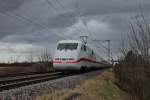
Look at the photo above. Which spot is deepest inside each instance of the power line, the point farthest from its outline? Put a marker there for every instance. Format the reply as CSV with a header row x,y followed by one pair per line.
x,y
15,15
107,48
51,5
23,18
85,24
56,9
87,30
63,15
61,7
39,29
60,4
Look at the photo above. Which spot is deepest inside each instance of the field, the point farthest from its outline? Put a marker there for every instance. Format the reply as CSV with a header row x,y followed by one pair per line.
x,y
101,87
23,68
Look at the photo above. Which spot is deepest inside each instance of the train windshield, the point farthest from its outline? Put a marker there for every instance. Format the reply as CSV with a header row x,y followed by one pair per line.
x,y
67,46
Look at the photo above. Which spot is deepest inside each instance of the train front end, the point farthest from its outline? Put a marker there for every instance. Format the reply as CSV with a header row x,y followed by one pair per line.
x,y
66,56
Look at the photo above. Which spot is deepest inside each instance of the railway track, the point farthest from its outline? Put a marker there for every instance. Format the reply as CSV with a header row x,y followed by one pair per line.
x,y
15,82
19,81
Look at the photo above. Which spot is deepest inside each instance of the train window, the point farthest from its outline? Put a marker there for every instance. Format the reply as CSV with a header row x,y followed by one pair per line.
x,y
84,48
56,58
67,46
92,52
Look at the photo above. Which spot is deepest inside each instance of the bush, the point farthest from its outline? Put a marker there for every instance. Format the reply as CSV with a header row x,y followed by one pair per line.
x,y
133,72
133,75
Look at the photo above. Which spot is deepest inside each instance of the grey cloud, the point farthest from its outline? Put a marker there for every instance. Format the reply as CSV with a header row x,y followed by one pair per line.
x,y
46,36
11,25
63,20
9,5
112,6
53,25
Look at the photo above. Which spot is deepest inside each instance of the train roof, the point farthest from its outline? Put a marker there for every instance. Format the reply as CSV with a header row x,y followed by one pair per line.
x,y
70,41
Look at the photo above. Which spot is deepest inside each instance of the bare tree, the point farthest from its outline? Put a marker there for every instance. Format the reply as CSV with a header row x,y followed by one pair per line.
x,y
141,37
133,72
11,60
45,56
30,57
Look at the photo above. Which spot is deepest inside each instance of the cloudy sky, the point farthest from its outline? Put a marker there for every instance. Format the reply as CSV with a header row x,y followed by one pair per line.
x,y
35,25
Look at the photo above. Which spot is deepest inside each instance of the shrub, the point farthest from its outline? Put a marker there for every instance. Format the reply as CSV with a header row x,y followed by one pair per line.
x,y
133,72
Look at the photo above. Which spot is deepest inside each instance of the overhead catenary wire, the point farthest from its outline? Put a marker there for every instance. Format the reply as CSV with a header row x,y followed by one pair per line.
x,y
88,32
14,14
85,24
61,7
37,24
51,5
60,4
20,17
23,19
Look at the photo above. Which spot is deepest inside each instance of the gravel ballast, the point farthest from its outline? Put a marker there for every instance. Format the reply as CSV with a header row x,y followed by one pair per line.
x,y
30,92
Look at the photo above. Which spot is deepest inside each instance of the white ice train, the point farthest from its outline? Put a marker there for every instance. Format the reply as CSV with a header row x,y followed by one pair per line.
x,y
75,55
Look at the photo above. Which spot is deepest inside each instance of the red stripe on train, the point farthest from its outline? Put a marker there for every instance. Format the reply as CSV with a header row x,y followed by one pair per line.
x,y
67,62
81,59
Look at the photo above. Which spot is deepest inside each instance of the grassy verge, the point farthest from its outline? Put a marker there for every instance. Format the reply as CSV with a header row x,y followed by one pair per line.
x,y
100,87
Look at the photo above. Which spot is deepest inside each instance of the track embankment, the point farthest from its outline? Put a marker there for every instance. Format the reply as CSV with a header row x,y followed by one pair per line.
x,y
19,81
30,92
100,87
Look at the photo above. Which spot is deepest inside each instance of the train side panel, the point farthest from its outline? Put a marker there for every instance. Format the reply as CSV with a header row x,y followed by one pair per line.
x,y
89,59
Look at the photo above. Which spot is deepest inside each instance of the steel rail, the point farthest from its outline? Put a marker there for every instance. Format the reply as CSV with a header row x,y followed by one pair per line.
x,y
18,82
